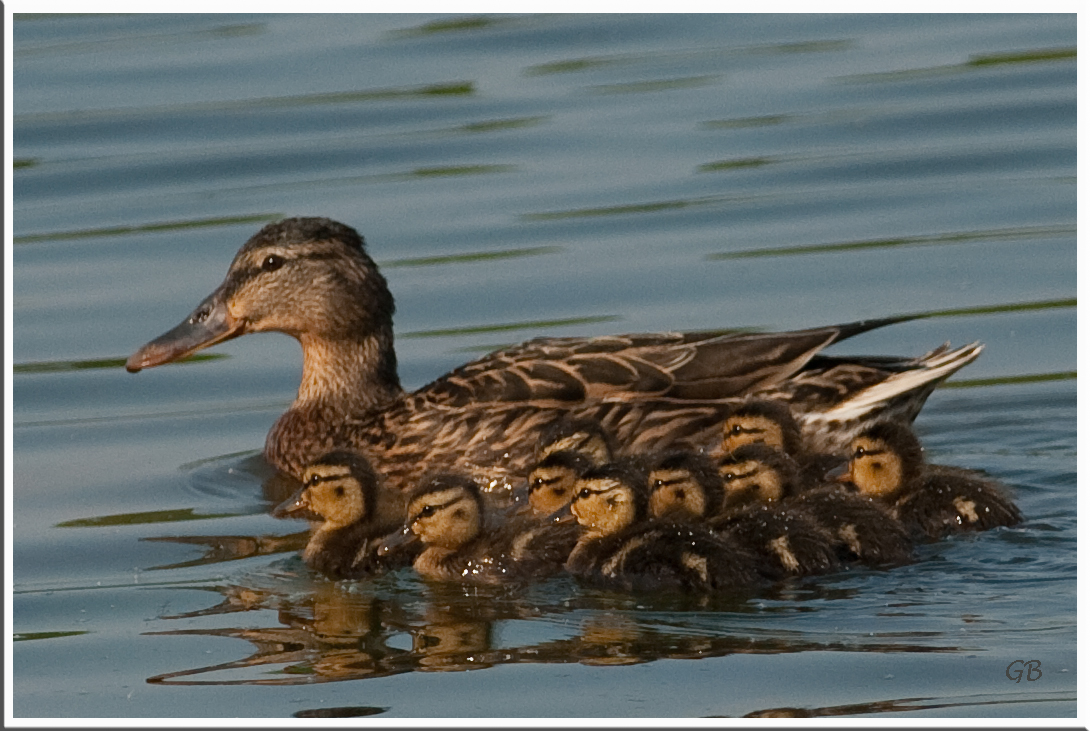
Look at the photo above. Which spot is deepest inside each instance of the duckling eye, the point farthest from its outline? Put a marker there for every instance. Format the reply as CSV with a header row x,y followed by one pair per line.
x,y
426,511
657,484
736,429
314,480
728,476
272,262
584,493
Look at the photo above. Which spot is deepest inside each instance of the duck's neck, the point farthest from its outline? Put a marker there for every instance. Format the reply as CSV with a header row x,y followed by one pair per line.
x,y
349,377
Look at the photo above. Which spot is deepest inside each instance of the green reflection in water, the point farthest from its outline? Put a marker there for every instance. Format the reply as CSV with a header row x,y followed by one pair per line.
x,y
1009,380
58,366
94,233
1002,234
479,256
643,87
510,326
572,66
24,636
742,162
154,516
974,62
23,162
457,170
623,210
767,120
497,125
455,25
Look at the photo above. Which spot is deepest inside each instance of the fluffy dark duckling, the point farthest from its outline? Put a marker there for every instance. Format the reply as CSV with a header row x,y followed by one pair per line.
x,y
860,529
461,542
761,421
887,463
683,486
350,512
620,549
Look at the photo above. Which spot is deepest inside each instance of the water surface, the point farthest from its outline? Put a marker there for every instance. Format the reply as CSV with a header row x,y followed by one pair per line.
x,y
518,176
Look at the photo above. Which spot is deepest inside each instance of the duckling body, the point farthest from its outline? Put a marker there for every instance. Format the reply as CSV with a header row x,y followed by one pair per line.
x,y
620,549
447,514
351,514
853,526
312,279
931,501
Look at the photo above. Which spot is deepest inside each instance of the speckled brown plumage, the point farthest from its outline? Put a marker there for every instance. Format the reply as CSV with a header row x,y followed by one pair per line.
x,y
313,279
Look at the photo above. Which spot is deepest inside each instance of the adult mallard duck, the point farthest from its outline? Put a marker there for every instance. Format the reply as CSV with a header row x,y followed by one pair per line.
x,y
312,278
887,463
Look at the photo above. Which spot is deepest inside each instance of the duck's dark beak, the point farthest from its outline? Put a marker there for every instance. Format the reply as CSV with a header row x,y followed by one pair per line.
x,y
209,324
562,515
296,506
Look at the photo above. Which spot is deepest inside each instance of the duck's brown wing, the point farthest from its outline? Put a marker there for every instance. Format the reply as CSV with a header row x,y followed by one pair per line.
x,y
706,365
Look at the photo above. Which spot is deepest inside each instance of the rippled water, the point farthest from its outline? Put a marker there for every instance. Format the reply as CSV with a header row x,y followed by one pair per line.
x,y
516,176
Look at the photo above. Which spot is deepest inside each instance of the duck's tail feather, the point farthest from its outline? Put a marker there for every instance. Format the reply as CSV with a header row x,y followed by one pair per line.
x,y
902,395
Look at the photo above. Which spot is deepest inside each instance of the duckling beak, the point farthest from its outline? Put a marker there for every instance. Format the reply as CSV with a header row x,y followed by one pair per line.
x,y
562,515
394,541
209,324
296,506
841,473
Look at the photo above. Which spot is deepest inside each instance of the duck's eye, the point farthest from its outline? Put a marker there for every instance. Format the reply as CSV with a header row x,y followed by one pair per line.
x,y
736,429
537,482
314,480
272,262
657,484
584,493
859,452
728,476
427,510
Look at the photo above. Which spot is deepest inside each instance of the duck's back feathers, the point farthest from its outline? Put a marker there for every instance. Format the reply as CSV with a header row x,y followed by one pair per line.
x,y
945,500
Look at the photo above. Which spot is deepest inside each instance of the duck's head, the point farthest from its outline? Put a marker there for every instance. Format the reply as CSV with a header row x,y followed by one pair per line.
x,y
762,422
445,510
308,277
884,458
552,480
756,473
338,489
684,486
609,498
583,436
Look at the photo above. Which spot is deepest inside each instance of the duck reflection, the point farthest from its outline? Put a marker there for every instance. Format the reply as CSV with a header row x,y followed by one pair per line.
x,y
351,631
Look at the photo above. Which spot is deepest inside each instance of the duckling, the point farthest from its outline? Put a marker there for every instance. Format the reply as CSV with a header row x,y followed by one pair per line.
x,y
887,463
620,549
352,513
684,487
586,437
552,481
313,279
447,515
762,421
858,528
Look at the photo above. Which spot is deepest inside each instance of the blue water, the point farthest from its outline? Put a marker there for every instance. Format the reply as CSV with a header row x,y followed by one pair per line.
x,y
518,176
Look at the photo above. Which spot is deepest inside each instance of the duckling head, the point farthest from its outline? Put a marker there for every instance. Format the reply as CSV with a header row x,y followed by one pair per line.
x,y
762,422
552,481
338,489
609,499
308,277
684,486
884,458
583,436
445,510
756,472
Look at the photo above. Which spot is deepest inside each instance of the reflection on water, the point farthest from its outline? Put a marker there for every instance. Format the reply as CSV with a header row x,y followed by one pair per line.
x,y
342,632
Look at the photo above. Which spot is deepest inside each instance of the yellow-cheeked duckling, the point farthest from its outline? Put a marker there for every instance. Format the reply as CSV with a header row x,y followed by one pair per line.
x,y
351,513
463,543
860,529
763,421
552,481
686,486
621,549
887,463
